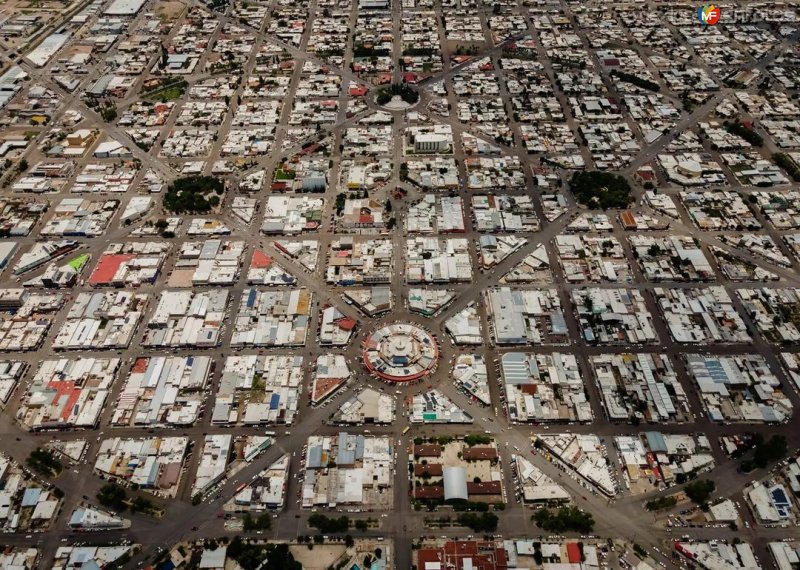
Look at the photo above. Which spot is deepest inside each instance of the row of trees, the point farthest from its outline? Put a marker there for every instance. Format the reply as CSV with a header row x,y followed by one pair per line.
x,y
564,519
746,133
479,522
661,503
790,166
329,524
264,556
636,80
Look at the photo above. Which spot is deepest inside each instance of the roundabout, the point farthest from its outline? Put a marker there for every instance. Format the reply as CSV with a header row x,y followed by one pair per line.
x,y
400,352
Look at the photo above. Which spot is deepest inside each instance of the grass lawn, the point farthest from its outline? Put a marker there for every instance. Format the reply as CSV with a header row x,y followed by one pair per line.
x,y
282,174
169,93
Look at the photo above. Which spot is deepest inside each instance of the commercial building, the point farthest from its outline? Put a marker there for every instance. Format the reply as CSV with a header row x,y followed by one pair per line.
x,y
372,301
613,316
266,491
335,329
272,318
330,374
655,459
150,463
739,388
68,393
26,318
584,454
348,470
129,264
368,406
434,407
162,390
523,316
465,326
258,389
11,372
352,261
88,518
25,503
213,462
536,488
544,388
101,320
701,315
640,387
470,375
208,262
187,319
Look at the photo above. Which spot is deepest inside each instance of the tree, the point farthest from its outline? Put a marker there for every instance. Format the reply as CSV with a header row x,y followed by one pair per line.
x,y
661,503
565,519
477,439
108,113
773,450
112,496
790,166
44,462
483,522
699,491
348,541
746,133
329,525
406,93
602,190
190,194
265,557
247,522
141,504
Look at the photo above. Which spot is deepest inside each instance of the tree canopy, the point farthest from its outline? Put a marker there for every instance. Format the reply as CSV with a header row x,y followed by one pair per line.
x,y
602,190
565,519
191,194
699,491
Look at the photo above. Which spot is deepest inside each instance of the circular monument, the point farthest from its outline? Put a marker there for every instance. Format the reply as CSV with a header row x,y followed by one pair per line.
x,y
400,353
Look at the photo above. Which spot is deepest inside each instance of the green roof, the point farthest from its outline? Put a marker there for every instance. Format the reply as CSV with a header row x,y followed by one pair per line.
x,y
78,263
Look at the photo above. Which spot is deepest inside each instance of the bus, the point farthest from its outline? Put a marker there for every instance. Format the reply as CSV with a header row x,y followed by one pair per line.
x,y
405,431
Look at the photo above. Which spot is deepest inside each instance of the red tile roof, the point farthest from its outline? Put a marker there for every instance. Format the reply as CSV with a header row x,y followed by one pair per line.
x,y
428,450
107,266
